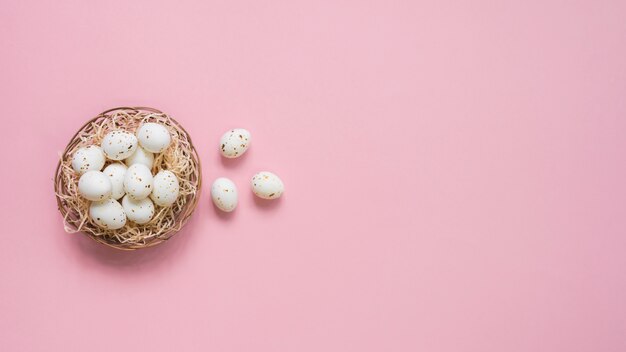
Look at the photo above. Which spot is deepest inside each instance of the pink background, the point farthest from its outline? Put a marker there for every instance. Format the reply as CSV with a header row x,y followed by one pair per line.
x,y
455,173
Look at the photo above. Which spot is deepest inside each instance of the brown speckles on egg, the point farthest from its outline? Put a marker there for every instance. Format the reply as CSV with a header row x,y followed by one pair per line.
x,y
267,185
231,145
108,214
88,159
118,145
138,211
224,194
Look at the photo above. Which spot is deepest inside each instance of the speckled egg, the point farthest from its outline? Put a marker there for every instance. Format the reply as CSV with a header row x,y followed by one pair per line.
x,y
118,145
138,181
116,173
267,185
224,194
234,143
154,137
138,211
88,159
108,214
94,186
166,188
140,156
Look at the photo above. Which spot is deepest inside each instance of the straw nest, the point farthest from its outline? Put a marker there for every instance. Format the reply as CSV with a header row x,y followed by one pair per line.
x,y
180,158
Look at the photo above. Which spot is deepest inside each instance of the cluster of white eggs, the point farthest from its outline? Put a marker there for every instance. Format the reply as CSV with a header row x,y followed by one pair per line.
x,y
127,176
265,184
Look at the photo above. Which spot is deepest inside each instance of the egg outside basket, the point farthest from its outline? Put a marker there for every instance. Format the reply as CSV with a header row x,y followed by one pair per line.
x,y
180,158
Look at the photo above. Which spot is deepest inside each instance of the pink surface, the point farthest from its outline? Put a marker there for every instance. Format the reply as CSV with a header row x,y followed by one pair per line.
x,y
455,173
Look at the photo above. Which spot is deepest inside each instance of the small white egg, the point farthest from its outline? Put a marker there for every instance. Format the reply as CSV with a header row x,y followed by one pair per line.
x,y
140,156
138,181
235,142
224,194
116,173
138,211
154,137
108,214
267,185
88,159
166,188
94,186
118,145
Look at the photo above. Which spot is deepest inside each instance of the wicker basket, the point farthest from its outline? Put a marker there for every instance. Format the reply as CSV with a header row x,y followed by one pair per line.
x,y
171,219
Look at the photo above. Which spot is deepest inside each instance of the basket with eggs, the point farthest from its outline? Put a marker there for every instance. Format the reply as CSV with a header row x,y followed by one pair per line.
x,y
129,178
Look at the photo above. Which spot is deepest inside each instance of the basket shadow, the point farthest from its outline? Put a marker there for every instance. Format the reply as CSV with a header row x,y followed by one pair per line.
x,y
147,258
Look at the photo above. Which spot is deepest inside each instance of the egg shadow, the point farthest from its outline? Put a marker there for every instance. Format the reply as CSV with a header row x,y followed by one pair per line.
x,y
222,215
231,163
267,204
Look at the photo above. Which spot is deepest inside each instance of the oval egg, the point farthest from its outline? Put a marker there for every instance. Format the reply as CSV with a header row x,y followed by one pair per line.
x,y
234,142
166,188
94,186
138,211
108,214
118,145
88,159
267,185
224,194
154,137
140,156
116,172
138,181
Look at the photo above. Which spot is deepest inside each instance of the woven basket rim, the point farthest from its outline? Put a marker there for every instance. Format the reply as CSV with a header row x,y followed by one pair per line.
x,y
189,208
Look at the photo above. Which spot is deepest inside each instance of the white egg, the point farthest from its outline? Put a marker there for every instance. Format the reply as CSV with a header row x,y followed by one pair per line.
x,y
138,181
108,214
235,142
88,159
118,145
94,185
224,194
138,211
154,137
140,156
267,185
116,173
166,188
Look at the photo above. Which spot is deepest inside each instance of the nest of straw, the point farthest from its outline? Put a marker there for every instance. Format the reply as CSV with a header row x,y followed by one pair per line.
x,y
180,158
